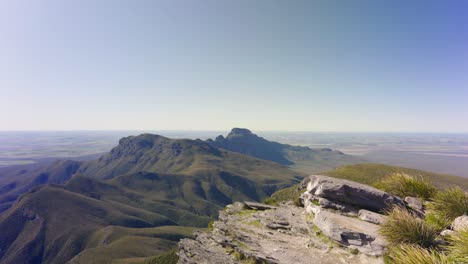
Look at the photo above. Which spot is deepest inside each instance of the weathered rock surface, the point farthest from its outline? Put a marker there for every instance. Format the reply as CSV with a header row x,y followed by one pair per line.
x,y
460,223
284,234
414,203
259,206
351,193
371,217
351,232
339,218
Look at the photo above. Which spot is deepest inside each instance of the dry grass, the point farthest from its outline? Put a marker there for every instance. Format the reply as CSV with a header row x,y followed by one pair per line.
x,y
401,184
404,227
450,203
458,248
413,254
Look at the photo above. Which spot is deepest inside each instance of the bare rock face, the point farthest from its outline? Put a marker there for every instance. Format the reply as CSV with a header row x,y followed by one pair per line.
x,y
284,234
338,224
460,223
351,193
371,217
414,203
258,206
351,232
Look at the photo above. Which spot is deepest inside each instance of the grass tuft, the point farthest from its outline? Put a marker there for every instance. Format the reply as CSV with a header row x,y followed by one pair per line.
x,y
439,220
458,248
450,203
404,227
401,184
413,254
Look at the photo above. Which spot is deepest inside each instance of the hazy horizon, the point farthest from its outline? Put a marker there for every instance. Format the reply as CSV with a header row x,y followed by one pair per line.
x,y
266,65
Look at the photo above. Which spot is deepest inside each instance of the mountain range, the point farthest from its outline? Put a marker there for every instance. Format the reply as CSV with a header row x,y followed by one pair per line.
x,y
148,192
56,213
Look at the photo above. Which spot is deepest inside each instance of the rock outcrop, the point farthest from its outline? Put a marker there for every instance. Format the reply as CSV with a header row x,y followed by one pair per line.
x,y
350,193
284,234
339,224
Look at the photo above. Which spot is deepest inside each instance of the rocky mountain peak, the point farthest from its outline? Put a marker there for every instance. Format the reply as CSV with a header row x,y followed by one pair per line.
x,y
240,132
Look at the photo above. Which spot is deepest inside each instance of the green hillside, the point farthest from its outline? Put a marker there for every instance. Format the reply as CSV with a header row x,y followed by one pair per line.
x,y
115,208
370,173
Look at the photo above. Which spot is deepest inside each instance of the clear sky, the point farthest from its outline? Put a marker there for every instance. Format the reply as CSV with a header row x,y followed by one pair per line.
x,y
212,65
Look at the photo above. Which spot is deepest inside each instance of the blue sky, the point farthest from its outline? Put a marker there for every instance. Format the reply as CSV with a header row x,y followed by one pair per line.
x,y
212,65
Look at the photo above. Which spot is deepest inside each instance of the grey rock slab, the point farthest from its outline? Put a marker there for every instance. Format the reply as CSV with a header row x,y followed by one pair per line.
x,y
249,235
259,206
414,203
351,232
352,193
371,217
342,207
235,207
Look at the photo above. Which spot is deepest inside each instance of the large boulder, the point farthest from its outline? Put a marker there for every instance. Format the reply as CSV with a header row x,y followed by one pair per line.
x,y
352,193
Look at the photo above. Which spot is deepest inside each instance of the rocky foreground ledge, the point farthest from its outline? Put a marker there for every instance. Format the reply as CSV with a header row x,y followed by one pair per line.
x,y
339,223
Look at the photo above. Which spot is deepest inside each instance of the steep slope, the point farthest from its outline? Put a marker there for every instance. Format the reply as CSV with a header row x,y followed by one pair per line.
x,y
146,182
51,224
20,179
157,154
304,159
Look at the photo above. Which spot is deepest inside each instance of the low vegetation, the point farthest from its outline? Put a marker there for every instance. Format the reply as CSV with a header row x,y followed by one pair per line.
x,y
169,257
369,173
404,227
449,204
402,185
413,254
458,248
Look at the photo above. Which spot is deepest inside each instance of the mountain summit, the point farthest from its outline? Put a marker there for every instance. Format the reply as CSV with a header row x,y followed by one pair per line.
x,y
306,159
244,141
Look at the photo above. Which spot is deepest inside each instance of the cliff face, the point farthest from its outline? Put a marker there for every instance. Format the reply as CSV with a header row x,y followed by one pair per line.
x,y
339,223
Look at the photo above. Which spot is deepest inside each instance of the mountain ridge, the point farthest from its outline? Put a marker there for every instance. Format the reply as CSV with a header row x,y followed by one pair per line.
x,y
300,158
146,181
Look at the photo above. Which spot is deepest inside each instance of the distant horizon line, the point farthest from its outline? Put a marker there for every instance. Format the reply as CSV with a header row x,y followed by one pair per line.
x,y
228,130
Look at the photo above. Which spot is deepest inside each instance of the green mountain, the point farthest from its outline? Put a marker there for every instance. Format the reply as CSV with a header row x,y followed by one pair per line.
x,y
305,159
114,207
20,179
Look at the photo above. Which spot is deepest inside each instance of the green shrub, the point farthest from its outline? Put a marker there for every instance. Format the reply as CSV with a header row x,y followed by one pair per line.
x,y
450,203
289,194
270,201
413,254
404,227
458,248
210,226
169,257
402,185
